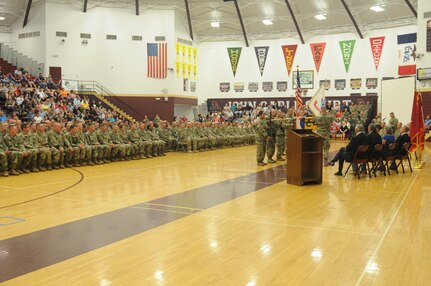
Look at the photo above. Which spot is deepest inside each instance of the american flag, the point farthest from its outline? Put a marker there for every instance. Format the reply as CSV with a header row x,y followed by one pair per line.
x,y
298,92
157,60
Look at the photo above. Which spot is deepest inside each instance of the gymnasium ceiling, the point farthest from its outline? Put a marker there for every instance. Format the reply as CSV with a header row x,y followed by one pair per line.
x,y
203,12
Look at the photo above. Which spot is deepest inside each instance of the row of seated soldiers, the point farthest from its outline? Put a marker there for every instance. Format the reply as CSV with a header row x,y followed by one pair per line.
x,y
51,145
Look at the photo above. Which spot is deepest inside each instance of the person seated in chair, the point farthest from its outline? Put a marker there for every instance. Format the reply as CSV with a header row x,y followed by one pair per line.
x,y
374,138
347,153
401,140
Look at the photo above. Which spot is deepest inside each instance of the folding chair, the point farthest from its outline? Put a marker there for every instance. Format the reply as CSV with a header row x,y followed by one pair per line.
x,y
390,158
376,159
361,157
404,155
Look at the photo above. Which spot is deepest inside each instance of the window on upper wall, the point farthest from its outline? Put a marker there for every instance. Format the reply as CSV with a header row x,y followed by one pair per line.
x,y
61,34
136,38
85,36
111,37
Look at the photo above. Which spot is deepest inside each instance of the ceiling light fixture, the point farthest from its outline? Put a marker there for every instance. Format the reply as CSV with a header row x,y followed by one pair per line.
x,y
377,8
215,24
267,22
2,18
320,17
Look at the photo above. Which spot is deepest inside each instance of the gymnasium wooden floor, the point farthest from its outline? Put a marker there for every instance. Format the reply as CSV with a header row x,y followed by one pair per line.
x,y
213,218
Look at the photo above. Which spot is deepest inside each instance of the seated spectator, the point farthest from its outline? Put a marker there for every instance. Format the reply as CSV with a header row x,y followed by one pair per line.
x,y
387,140
374,138
397,132
3,117
345,129
347,153
427,122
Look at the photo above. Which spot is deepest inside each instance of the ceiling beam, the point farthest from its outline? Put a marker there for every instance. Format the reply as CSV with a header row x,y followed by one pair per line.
x,y
27,13
137,7
412,8
294,21
241,22
351,18
189,18
85,6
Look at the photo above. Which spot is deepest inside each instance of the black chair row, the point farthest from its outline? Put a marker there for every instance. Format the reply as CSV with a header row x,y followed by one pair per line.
x,y
365,155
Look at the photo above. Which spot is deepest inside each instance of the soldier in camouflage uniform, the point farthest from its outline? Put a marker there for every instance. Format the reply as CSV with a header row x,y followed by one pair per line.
x,y
146,140
279,135
323,123
121,150
4,152
56,144
44,161
261,139
270,145
160,144
78,140
138,145
16,149
105,141
38,156
393,121
29,162
97,150
71,152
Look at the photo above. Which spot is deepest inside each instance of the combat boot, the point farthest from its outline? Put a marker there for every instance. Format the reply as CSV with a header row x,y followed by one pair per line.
x,y
5,174
14,173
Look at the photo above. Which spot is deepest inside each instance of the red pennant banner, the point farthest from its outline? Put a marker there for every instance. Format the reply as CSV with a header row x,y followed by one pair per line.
x,y
289,52
376,49
317,50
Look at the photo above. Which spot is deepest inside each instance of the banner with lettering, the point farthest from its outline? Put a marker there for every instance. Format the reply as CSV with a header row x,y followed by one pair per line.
x,y
184,51
195,53
376,49
407,54
234,55
317,50
178,49
178,68
347,52
195,72
261,55
289,52
184,70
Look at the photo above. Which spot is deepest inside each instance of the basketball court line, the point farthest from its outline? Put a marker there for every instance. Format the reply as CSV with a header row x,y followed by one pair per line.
x,y
388,228
63,242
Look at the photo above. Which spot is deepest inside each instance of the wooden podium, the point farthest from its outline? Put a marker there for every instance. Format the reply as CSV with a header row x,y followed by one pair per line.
x,y
304,157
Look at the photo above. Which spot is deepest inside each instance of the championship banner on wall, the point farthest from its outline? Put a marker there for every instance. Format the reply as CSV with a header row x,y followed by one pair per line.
x,y
340,84
189,71
178,69
261,55
195,71
234,55
347,52
177,51
238,86
267,86
371,83
317,50
184,51
326,83
407,54
184,65
195,55
355,83
282,86
225,86
376,49
253,86
189,53
289,52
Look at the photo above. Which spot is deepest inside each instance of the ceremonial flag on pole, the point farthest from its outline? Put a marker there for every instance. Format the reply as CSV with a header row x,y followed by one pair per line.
x,y
417,129
317,101
157,57
298,92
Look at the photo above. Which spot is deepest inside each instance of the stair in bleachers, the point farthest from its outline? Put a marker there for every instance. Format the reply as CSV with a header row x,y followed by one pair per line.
x,y
6,67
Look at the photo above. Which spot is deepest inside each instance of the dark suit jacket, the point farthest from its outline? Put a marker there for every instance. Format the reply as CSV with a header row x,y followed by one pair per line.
x,y
405,138
355,142
374,139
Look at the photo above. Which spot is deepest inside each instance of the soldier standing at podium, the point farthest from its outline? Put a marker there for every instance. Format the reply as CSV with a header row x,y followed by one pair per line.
x,y
323,123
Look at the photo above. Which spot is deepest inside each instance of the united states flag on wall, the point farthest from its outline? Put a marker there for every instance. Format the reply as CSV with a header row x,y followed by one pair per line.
x,y
157,60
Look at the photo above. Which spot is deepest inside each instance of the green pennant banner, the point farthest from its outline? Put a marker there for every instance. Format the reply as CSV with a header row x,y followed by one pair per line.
x,y
347,52
234,54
